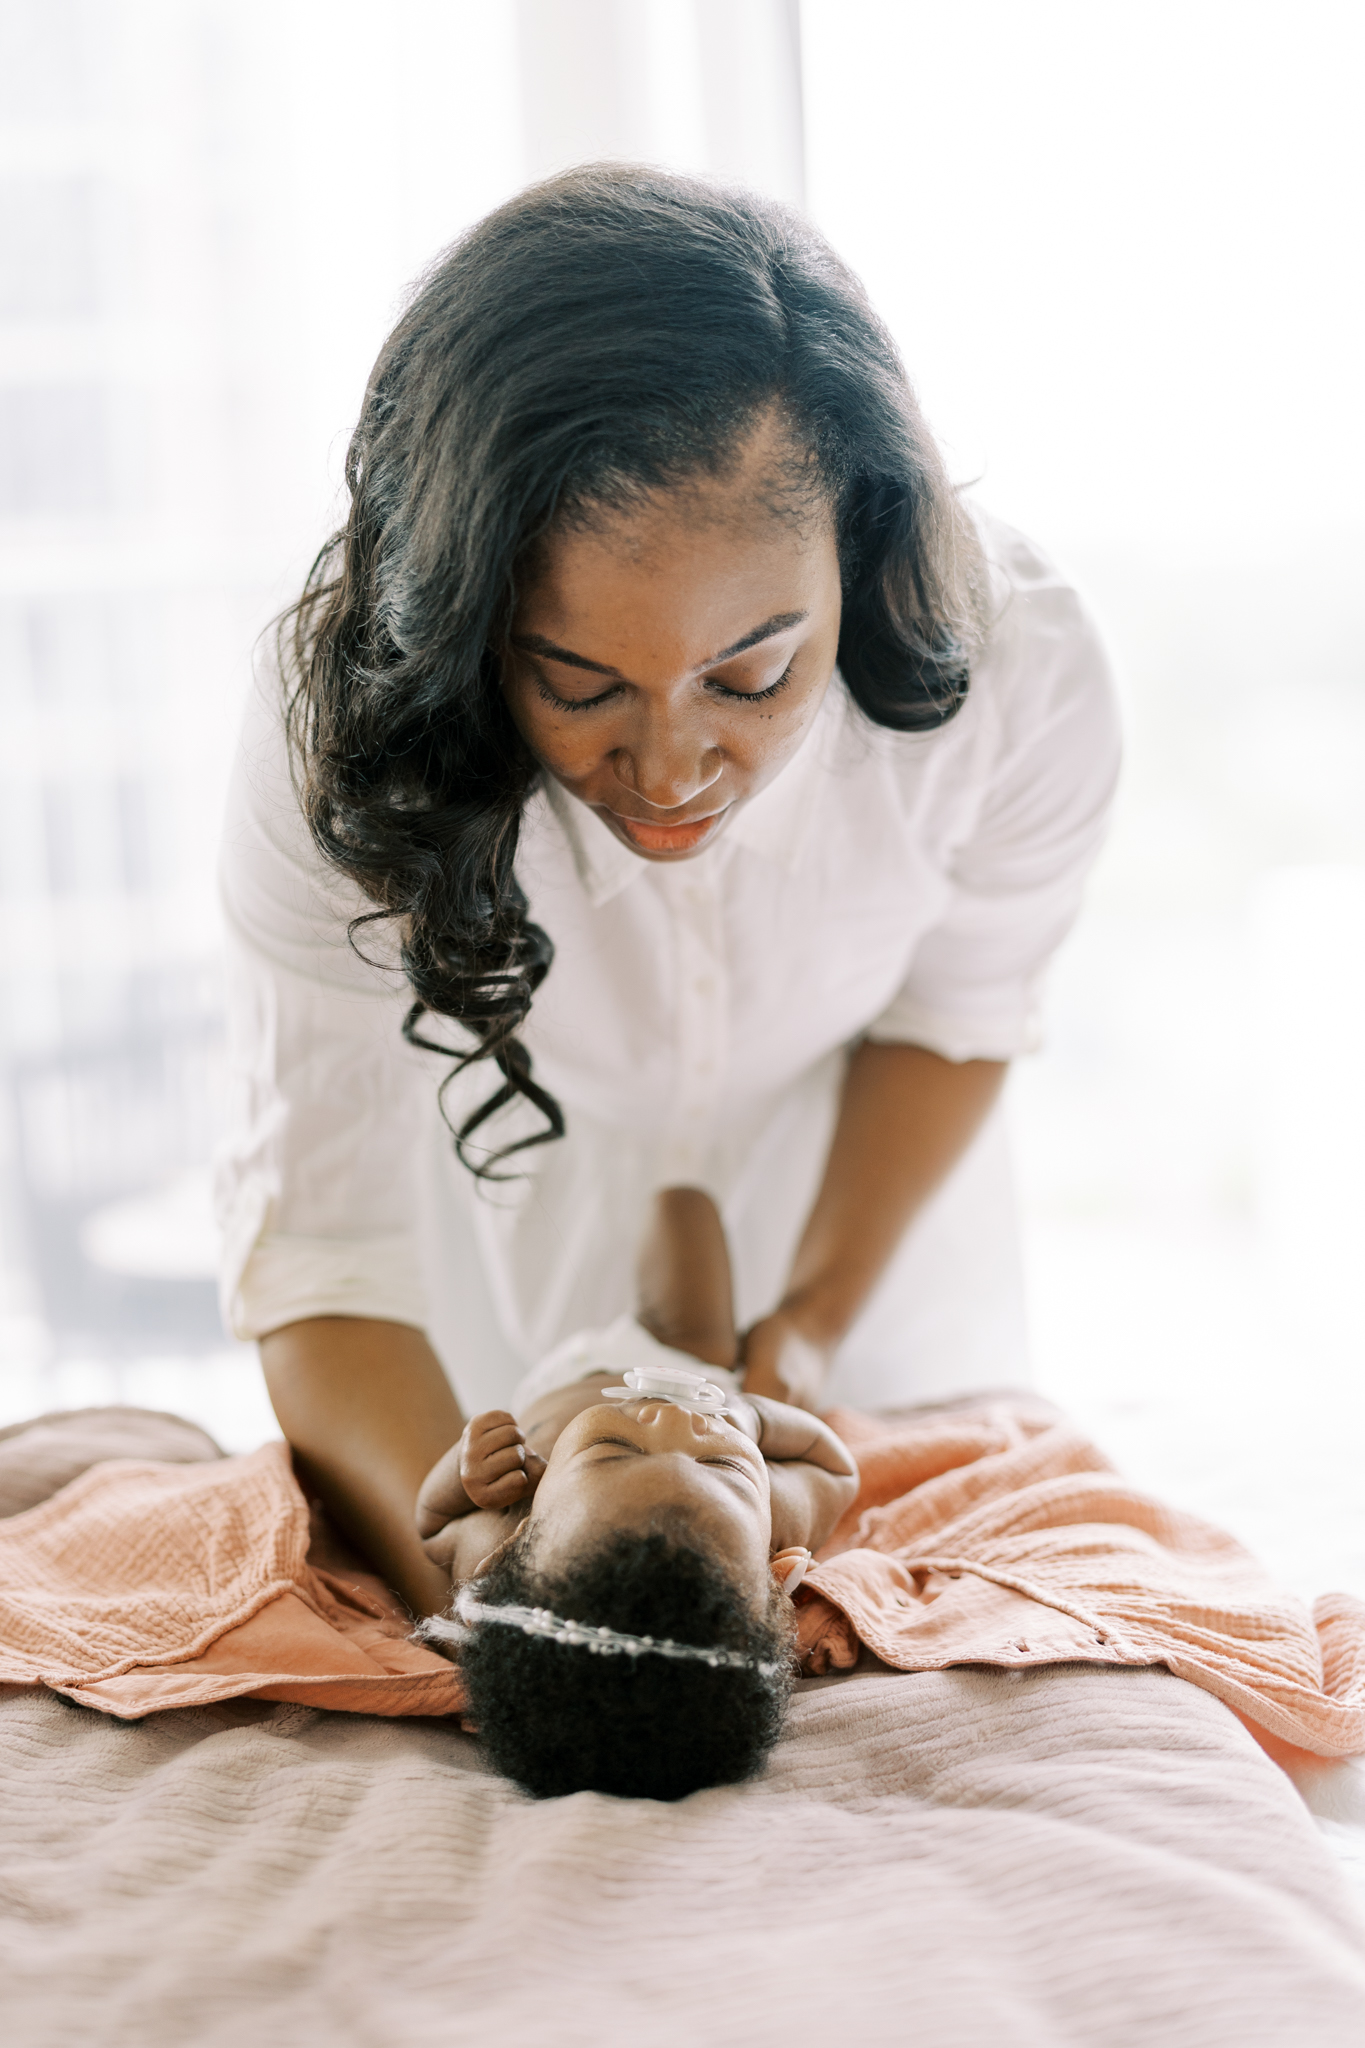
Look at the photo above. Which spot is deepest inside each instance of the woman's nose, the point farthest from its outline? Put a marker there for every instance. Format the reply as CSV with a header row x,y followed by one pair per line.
x,y
666,765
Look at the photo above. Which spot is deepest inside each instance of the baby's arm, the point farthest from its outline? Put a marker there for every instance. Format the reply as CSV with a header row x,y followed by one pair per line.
x,y
477,1495
811,1471
463,1547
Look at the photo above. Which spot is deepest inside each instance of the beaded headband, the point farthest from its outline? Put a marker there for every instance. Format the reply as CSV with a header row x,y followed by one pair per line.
x,y
603,1642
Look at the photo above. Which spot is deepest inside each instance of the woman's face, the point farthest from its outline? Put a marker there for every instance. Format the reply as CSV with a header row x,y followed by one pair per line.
x,y
666,663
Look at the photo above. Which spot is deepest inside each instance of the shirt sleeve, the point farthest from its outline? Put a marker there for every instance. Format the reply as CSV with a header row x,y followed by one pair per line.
x,y
317,1178
1049,745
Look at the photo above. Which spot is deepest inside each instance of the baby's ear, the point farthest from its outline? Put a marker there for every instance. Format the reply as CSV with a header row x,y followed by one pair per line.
x,y
509,1543
790,1566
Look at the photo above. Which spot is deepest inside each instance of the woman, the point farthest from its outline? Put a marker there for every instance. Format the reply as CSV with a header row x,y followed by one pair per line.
x,y
569,784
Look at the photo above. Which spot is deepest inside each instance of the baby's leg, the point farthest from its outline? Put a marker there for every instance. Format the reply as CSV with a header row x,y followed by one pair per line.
x,y
684,1277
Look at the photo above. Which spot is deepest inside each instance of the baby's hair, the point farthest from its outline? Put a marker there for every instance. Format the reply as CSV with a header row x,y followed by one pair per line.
x,y
557,1718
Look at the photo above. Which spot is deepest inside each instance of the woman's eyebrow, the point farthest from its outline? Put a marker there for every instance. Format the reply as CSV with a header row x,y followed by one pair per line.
x,y
536,643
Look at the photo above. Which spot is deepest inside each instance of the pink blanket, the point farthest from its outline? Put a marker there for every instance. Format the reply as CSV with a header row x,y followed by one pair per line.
x,y
146,1585
996,1538
1003,1537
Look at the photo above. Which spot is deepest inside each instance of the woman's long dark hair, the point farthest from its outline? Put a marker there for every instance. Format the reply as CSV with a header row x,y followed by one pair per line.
x,y
606,334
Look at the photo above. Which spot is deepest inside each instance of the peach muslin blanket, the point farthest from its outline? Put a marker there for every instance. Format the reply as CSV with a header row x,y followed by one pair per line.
x,y
144,1585
1004,1537
994,1537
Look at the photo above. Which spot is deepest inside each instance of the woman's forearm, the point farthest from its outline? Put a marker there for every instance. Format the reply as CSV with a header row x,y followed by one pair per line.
x,y
905,1118
368,1411
683,1277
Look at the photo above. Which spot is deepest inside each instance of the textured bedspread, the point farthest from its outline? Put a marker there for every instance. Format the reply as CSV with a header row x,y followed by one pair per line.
x,y
1075,1854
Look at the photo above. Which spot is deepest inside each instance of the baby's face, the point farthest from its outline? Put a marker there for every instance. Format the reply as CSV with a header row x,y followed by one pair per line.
x,y
617,1466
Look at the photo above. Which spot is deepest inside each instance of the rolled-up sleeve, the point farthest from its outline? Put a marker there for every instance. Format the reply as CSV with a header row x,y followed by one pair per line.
x,y
1048,761
316,1180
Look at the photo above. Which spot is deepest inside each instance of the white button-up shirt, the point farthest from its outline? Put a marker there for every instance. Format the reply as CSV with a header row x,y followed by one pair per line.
x,y
694,1026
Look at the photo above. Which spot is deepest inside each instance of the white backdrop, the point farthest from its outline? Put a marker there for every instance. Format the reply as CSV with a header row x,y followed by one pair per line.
x,y
1121,251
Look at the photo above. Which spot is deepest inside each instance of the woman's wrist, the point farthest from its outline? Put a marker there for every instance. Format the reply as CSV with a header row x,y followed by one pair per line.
x,y
819,1312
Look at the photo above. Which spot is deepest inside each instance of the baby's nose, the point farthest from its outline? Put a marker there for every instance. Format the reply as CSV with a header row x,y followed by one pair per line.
x,y
676,1422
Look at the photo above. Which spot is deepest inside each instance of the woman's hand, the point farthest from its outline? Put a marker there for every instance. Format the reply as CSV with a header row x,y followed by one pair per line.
x,y
366,1406
779,1360
906,1116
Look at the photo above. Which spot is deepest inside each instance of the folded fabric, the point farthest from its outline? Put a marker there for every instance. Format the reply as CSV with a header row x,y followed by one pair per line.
x,y
1004,1537
994,1537
144,1585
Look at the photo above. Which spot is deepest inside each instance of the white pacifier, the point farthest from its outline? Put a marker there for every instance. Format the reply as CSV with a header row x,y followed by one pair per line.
x,y
672,1383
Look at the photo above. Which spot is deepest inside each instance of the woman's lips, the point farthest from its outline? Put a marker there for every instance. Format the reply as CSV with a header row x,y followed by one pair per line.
x,y
669,838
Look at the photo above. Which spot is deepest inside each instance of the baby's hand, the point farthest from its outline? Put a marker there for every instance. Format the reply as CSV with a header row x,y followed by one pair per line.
x,y
490,1467
496,1468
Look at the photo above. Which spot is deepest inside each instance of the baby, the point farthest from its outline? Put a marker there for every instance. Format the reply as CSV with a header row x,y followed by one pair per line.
x,y
625,1567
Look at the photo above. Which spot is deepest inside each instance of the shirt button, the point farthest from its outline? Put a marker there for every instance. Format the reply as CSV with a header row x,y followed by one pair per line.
x,y
704,985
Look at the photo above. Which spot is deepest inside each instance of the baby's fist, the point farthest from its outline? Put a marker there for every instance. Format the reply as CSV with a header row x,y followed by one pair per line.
x,y
496,1468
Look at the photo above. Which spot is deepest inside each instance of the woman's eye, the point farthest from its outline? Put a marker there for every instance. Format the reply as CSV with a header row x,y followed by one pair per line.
x,y
573,703
717,688
754,696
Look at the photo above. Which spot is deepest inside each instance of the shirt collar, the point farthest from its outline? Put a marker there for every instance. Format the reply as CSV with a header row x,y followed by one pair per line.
x,y
605,867
773,824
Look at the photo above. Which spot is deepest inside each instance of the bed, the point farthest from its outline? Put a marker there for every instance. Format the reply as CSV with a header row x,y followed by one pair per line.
x,y
1059,1854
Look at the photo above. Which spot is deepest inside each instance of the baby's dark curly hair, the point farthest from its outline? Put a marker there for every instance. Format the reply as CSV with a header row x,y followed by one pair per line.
x,y
556,1718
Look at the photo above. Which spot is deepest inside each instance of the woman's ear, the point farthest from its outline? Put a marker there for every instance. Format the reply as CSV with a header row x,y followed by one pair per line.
x,y
790,1566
